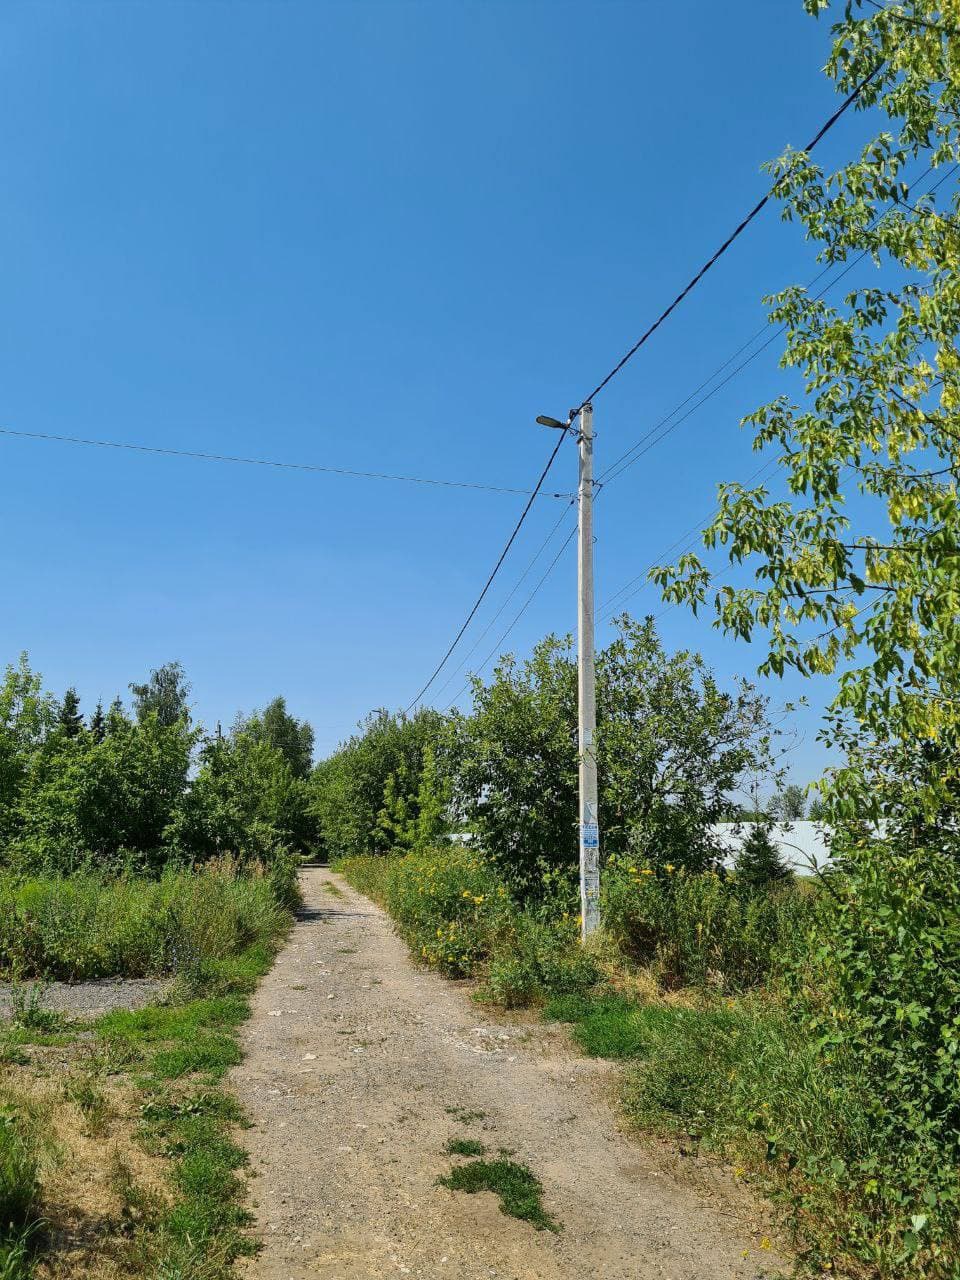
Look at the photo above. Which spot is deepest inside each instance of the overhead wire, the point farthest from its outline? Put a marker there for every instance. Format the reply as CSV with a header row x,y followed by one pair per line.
x,y
268,462
848,101
496,569
526,604
516,587
615,469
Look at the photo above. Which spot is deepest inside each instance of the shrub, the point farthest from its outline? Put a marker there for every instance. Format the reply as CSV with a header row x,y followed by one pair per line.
x,y
447,904
532,960
701,929
457,916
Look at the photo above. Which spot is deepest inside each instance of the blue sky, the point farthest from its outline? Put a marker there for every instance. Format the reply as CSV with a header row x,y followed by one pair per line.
x,y
381,236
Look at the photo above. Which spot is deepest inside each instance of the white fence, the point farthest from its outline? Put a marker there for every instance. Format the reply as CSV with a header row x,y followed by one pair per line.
x,y
802,845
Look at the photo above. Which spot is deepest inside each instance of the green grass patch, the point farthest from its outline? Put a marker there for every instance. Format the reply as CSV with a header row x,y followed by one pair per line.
x,y
464,1147
330,887
519,1190
91,926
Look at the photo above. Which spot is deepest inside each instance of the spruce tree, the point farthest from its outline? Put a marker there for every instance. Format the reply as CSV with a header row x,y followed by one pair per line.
x,y
98,724
69,718
759,863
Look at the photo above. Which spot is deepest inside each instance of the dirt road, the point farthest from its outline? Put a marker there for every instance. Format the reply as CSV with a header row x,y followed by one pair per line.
x,y
360,1067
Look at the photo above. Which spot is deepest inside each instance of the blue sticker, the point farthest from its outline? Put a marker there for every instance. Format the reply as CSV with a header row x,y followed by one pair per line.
x,y
590,835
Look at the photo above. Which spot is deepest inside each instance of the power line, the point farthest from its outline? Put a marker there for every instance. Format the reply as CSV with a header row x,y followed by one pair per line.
x,y
268,462
824,129
615,469
523,609
496,569
738,231
516,587
913,21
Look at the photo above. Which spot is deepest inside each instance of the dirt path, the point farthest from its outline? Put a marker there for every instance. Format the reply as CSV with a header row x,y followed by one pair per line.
x,y
357,1060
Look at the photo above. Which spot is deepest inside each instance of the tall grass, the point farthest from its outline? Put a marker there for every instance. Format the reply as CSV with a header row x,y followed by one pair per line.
x,y
702,930
19,1189
87,926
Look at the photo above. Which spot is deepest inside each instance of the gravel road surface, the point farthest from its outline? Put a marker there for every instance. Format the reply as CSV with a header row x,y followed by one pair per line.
x,y
359,1069
89,999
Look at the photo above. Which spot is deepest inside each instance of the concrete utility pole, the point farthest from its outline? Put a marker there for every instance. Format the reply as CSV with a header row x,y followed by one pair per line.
x,y
587,689
588,825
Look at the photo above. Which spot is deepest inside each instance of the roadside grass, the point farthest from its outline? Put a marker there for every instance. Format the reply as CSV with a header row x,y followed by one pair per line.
x,y
520,1191
90,926
142,1176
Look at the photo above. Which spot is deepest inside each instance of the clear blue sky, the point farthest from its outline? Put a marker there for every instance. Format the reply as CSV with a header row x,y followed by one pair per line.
x,y
382,236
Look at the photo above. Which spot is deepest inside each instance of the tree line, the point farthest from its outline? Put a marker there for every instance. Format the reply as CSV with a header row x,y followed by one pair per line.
x,y
143,785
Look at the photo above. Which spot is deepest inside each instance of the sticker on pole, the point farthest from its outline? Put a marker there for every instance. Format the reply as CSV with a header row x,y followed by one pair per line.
x,y
590,835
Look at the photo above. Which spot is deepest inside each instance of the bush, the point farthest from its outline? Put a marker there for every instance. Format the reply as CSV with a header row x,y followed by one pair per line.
x,y
531,961
456,915
447,904
702,930
87,926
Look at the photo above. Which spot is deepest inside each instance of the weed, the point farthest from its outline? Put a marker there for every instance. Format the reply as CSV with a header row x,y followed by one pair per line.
x,y
332,888
466,1116
89,1100
520,1192
28,1012
464,1147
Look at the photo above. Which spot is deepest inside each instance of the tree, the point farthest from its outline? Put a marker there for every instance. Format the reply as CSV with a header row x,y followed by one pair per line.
x,y
856,575
98,723
348,788
671,745
293,738
165,694
244,801
789,805
759,863
817,811
857,552
104,800
69,719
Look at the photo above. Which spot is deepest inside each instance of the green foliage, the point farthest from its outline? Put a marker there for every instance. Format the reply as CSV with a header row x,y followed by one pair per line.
x,y
520,1192
279,729
759,863
19,1170
790,805
456,915
86,926
464,1147
83,800
352,789
702,930
69,719
532,959
671,745
447,905
164,695
245,801
27,718
606,1025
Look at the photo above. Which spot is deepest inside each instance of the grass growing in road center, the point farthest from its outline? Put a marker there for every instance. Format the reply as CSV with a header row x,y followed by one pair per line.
x,y
520,1191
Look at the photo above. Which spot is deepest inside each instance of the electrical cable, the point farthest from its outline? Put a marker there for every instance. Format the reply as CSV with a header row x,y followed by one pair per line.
x,y
496,569
618,367
825,128
516,587
267,462
523,609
